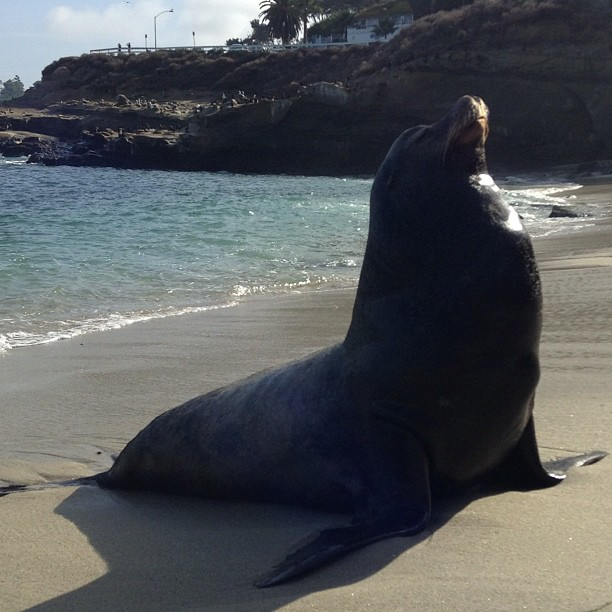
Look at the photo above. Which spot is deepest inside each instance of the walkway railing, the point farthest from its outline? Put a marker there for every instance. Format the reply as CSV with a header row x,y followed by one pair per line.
x,y
221,48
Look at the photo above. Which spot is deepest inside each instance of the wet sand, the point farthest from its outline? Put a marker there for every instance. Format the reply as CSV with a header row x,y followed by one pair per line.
x,y
68,406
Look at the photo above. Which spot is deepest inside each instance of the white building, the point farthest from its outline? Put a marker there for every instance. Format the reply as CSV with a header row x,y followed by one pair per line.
x,y
362,31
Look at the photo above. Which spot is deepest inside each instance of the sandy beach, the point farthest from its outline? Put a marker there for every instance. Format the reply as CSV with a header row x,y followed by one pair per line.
x,y
67,407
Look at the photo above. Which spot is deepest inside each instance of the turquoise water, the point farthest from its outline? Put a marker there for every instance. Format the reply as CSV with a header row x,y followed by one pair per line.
x,y
84,249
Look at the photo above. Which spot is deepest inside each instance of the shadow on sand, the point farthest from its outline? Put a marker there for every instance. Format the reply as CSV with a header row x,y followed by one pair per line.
x,y
172,553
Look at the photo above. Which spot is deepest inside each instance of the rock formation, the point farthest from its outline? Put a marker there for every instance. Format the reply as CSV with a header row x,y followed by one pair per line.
x,y
544,69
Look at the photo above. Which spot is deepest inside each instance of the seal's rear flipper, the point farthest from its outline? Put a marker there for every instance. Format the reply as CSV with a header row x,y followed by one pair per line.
x,y
398,503
522,469
75,482
330,544
11,489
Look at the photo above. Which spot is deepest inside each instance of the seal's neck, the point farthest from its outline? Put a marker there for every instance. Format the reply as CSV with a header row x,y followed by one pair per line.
x,y
380,282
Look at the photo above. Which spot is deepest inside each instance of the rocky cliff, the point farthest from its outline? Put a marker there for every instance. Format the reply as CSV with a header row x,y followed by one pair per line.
x,y
544,68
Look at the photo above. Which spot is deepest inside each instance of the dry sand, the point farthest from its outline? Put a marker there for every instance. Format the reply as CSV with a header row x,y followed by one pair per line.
x,y
68,406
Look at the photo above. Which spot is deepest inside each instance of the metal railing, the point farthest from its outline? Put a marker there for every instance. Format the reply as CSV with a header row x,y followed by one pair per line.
x,y
221,48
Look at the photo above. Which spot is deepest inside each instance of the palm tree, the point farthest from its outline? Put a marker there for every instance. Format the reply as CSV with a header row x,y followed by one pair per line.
x,y
308,9
283,17
334,25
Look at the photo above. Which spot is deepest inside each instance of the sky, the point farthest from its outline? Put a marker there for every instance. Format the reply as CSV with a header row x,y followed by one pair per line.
x,y
34,33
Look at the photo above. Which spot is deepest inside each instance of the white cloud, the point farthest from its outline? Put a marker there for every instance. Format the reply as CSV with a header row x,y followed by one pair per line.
x,y
66,22
218,20
213,21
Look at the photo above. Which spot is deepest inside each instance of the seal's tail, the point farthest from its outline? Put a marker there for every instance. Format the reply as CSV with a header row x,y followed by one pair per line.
x,y
95,480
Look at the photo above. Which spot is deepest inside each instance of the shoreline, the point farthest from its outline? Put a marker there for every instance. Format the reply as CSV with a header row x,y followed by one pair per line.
x,y
260,321
69,406
582,196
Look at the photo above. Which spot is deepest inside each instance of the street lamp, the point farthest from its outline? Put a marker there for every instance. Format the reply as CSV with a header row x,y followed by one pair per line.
x,y
155,25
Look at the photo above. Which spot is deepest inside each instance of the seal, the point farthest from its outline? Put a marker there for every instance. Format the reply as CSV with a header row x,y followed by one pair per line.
x,y
432,389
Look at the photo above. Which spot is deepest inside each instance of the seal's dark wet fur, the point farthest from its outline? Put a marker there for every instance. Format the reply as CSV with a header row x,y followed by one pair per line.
x,y
432,389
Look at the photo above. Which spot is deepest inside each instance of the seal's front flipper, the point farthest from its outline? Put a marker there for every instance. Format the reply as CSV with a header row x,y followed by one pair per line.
x,y
522,469
397,502
566,463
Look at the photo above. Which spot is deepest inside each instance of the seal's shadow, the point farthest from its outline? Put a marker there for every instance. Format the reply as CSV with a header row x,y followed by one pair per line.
x,y
170,553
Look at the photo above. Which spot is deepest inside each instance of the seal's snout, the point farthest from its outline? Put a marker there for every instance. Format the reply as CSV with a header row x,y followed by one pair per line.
x,y
475,132
467,128
467,121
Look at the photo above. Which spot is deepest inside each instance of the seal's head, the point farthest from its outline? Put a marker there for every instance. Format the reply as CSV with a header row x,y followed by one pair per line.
x,y
442,242
453,147
464,131
432,198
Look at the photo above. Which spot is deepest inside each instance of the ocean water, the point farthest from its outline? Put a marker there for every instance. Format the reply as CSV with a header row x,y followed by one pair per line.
x,y
89,249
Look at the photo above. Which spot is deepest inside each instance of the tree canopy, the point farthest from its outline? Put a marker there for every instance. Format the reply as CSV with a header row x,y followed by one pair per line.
x,y
283,17
334,25
11,89
308,9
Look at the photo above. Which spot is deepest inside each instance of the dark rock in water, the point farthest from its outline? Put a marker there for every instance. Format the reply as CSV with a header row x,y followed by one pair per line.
x,y
560,211
21,147
122,100
110,149
16,150
32,140
594,168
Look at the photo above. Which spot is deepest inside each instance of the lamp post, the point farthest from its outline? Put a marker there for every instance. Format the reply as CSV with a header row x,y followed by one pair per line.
x,y
193,34
155,25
